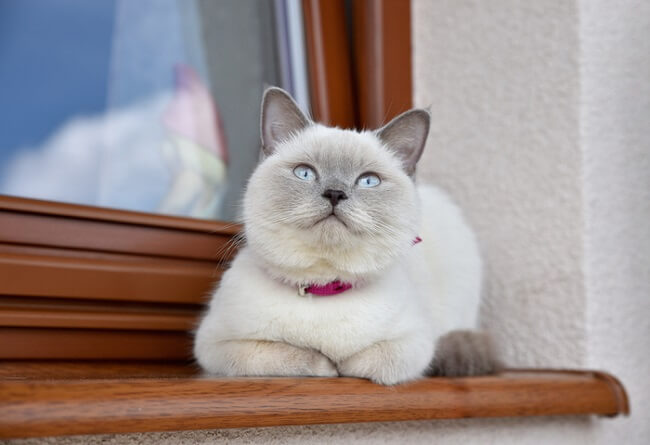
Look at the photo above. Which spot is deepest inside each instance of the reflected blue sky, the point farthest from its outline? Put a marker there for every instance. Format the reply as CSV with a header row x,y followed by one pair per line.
x,y
85,86
54,63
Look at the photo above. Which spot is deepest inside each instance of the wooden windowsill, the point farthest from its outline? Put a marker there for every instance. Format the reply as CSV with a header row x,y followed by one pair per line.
x,y
59,398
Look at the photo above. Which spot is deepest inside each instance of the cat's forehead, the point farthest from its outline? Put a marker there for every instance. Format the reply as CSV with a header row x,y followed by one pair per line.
x,y
333,147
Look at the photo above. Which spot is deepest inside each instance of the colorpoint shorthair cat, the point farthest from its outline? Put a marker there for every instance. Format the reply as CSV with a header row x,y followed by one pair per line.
x,y
333,279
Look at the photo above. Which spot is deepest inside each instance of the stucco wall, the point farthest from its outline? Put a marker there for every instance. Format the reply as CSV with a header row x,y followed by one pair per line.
x,y
540,130
502,81
615,141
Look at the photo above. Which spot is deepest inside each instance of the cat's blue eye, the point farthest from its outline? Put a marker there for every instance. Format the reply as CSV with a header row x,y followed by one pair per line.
x,y
368,180
305,173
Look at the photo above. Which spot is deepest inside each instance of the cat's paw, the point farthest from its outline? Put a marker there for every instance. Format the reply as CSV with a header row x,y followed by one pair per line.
x,y
381,364
262,358
277,358
292,360
464,353
319,365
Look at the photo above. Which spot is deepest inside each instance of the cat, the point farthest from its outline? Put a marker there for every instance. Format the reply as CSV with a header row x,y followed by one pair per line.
x,y
349,269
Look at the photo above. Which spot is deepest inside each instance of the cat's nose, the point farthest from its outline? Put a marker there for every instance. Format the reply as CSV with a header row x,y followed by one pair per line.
x,y
334,196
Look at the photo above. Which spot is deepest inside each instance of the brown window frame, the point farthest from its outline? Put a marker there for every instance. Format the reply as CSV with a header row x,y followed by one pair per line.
x,y
82,282
359,77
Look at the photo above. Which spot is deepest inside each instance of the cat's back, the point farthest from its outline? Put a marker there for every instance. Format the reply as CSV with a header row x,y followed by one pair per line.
x,y
453,265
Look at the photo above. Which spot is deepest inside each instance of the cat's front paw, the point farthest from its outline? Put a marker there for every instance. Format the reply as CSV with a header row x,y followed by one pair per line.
x,y
382,364
320,366
261,358
464,353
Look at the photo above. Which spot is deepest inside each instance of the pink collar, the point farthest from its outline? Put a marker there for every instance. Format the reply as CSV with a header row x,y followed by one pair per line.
x,y
331,288
334,287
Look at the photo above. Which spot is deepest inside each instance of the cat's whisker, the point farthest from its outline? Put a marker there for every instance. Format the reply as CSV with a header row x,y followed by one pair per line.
x,y
229,247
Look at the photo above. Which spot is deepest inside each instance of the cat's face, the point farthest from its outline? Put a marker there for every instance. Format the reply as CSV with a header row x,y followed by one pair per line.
x,y
327,203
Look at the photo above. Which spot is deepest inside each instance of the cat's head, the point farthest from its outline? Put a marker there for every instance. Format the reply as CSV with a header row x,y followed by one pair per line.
x,y
326,203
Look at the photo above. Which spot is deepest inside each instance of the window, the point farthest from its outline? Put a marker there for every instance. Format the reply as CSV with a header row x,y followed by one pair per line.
x,y
149,105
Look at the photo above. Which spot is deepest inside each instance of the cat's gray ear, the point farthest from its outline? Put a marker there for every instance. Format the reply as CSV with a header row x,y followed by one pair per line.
x,y
281,118
405,135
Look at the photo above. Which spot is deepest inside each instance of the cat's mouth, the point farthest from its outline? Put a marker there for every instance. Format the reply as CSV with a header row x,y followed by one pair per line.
x,y
333,217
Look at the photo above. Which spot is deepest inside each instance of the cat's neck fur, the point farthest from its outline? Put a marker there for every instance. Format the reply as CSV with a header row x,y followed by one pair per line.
x,y
356,264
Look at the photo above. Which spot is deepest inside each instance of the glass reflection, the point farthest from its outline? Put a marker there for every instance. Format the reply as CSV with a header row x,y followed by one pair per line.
x,y
147,105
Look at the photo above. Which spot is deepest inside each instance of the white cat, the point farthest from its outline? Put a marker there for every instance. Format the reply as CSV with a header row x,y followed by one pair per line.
x,y
333,279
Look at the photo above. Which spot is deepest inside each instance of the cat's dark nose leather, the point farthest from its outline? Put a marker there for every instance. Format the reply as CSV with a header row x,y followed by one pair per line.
x,y
335,196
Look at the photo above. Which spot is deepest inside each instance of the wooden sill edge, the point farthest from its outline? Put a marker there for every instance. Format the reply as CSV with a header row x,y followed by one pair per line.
x,y
36,407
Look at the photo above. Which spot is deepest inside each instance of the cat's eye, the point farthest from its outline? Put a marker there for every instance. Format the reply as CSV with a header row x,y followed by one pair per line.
x,y
368,180
305,172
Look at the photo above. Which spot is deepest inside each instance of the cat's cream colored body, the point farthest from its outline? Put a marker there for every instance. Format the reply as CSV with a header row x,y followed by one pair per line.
x,y
384,329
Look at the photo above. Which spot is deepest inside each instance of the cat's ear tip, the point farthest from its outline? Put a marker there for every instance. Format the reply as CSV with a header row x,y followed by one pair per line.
x,y
277,97
422,113
273,91
280,118
420,117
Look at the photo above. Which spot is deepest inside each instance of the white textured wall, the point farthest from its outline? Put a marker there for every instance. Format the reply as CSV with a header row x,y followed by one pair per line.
x,y
541,130
502,82
615,140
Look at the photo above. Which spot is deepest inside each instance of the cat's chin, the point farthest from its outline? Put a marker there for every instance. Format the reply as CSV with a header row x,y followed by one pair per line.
x,y
330,231
322,257
329,247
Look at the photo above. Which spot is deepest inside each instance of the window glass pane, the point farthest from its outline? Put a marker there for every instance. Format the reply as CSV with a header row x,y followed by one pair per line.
x,y
149,105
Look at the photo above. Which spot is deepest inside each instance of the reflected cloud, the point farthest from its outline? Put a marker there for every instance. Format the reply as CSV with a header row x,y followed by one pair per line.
x,y
166,155
112,160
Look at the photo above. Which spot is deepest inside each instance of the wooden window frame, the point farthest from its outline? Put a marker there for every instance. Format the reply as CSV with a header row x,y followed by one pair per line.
x,y
97,305
359,77
81,282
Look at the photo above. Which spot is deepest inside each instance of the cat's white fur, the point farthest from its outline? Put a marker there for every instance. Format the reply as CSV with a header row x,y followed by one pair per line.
x,y
405,297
